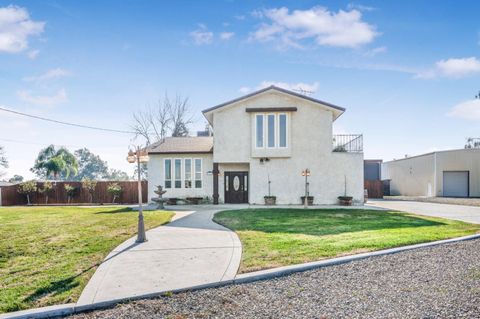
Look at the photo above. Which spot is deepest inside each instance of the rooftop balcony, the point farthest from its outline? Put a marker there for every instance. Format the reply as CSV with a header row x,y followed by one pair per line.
x,y
348,143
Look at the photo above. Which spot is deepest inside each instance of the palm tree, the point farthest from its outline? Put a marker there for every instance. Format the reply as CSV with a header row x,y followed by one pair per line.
x,y
53,162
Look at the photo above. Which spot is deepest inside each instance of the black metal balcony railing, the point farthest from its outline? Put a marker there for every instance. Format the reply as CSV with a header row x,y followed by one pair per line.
x,y
350,143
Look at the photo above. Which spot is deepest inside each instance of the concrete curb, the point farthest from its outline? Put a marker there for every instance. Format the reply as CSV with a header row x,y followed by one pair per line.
x,y
68,309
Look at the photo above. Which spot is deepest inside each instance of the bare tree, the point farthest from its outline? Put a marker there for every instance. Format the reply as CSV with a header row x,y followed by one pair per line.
x,y
181,116
3,161
155,123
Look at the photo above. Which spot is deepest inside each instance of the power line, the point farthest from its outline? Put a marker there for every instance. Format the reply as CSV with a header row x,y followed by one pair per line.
x,y
43,144
65,123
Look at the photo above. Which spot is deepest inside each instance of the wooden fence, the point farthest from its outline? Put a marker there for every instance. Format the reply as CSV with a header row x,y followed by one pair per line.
x,y
374,188
10,195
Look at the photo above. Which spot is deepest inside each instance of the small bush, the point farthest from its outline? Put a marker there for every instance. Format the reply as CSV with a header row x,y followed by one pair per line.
x,y
115,190
27,188
46,189
89,185
71,191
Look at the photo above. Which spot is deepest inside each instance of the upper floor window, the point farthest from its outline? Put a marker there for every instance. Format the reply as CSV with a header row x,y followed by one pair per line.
x,y
259,130
282,130
271,129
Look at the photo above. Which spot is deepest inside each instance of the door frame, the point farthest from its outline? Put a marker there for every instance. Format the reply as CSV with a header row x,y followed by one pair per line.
x,y
247,186
456,171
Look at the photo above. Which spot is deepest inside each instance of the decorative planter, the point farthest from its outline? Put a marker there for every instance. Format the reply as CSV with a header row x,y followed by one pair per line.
x,y
345,200
270,200
172,201
309,200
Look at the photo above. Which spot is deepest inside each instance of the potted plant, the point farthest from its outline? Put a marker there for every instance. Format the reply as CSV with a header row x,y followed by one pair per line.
x,y
27,188
89,185
70,190
115,190
46,190
269,199
345,200
309,200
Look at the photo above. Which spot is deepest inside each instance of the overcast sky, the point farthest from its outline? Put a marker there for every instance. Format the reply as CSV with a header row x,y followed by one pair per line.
x,y
407,71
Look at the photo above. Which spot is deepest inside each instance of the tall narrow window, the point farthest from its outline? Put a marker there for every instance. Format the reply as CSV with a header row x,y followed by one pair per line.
x,y
178,173
282,130
168,173
271,130
198,173
259,130
188,173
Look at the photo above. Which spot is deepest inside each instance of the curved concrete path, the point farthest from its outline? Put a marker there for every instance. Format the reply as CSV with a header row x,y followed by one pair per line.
x,y
192,250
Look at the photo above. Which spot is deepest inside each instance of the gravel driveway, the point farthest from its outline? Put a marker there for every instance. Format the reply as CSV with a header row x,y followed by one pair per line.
x,y
438,282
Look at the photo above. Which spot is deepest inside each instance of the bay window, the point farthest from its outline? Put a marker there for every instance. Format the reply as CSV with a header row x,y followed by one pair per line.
x,y
188,173
198,173
168,173
178,173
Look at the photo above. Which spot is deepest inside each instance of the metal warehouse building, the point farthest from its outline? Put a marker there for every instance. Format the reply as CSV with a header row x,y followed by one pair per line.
x,y
454,173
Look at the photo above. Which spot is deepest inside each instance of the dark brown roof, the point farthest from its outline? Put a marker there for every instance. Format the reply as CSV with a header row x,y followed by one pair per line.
x,y
182,145
273,87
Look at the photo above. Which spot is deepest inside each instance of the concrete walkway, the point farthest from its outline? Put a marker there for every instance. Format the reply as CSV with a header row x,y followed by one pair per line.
x,y
192,250
467,214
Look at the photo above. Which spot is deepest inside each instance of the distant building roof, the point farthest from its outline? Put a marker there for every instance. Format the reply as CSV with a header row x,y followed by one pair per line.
x,y
182,145
5,183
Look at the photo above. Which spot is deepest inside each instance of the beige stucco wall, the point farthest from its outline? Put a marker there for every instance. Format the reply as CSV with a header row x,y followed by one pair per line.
x,y
415,176
410,177
156,173
309,146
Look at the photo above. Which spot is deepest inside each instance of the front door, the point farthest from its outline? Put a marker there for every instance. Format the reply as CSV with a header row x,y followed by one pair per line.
x,y
236,187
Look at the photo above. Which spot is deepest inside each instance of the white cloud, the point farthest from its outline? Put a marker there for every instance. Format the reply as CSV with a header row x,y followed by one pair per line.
x,y
244,89
299,87
226,35
360,7
240,17
15,29
453,68
373,52
469,110
49,75
202,35
33,54
341,29
57,98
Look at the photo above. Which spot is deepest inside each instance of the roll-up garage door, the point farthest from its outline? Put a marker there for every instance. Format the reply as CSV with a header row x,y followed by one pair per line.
x,y
455,184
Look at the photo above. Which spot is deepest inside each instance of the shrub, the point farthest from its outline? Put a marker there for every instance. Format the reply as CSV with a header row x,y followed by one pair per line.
x,y
46,189
115,190
71,191
27,188
89,185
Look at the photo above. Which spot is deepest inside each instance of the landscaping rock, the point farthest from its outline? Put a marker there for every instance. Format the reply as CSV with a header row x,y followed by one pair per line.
x,y
437,282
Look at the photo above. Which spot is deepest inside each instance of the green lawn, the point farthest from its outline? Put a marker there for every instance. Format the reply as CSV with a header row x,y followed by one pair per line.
x,y
47,254
279,237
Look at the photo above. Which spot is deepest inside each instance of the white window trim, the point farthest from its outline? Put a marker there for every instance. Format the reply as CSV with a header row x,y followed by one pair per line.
x,y
185,173
256,129
286,130
181,174
171,171
275,128
194,179
276,131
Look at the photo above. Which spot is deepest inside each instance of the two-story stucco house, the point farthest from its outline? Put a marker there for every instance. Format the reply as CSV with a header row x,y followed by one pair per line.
x,y
262,141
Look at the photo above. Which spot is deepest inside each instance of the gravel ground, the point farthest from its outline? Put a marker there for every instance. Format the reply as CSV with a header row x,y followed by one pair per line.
x,y
438,282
